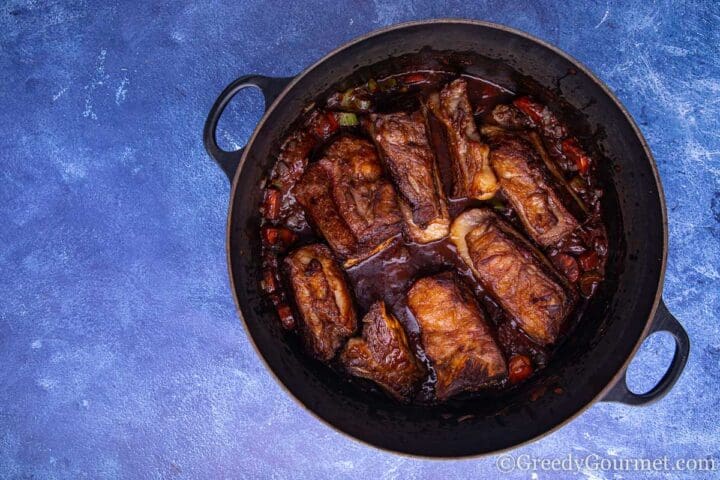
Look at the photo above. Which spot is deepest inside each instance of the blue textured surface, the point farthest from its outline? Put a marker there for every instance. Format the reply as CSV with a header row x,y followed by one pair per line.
x,y
121,351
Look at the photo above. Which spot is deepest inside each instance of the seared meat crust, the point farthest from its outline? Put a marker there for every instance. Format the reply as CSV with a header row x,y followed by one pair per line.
x,y
524,184
382,354
455,335
472,175
513,274
405,150
349,201
327,315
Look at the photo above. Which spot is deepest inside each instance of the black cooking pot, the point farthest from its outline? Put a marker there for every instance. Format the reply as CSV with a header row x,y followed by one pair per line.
x,y
589,366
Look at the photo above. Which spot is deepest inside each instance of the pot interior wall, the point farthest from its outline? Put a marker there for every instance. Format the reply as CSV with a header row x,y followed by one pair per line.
x,y
613,322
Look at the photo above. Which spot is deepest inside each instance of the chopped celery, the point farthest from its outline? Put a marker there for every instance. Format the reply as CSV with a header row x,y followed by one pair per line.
x,y
347,119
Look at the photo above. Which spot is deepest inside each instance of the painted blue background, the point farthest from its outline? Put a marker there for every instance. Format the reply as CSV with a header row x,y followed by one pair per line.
x,y
120,350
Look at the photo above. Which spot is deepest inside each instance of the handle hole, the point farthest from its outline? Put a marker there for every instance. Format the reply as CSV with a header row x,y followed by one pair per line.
x,y
651,361
238,121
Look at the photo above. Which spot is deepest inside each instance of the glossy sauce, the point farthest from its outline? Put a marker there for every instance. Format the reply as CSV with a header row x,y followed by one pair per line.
x,y
389,274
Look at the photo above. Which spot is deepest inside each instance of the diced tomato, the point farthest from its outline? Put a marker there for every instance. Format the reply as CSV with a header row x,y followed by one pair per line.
x,y
542,117
325,125
520,368
574,152
588,260
414,78
271,207
567,265
530,108
490,91
287,236
332,120
270,235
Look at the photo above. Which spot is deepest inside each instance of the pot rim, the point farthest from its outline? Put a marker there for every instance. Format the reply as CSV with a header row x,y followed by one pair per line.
x,y
618,375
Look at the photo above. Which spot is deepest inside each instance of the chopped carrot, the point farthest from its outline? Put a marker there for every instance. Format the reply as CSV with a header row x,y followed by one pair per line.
x,y
280,236
271,207
574,152
325,125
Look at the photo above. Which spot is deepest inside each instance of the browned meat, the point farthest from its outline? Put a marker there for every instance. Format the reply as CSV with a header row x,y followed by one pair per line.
x,y
575,203
365,198
522,180
405,151
508,116
516,276
327,315
383,355
314,193
317,126
348,199
455,336
472,175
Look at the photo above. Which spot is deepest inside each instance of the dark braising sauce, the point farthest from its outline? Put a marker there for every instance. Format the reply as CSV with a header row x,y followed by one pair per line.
x,y
389,274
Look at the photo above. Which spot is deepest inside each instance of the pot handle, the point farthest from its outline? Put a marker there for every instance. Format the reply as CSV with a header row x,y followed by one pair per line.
x,y
270,87
665,322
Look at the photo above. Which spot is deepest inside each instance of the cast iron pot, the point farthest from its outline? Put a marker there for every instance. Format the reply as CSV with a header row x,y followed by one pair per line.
x,y
588,367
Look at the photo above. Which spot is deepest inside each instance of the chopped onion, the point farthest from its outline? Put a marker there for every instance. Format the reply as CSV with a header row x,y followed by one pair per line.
x,y
363,104
351,100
